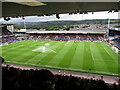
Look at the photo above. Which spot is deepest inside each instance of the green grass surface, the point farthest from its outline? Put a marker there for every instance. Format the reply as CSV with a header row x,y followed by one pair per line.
x,y
74,56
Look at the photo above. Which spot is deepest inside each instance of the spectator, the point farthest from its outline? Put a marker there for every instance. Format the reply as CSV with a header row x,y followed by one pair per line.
x,y
35,79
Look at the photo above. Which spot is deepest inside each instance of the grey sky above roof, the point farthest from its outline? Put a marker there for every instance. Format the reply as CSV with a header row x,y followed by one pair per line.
x,y
96,15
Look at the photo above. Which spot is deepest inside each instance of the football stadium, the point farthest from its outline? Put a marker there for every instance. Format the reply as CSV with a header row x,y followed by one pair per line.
x,y
83,57
94,57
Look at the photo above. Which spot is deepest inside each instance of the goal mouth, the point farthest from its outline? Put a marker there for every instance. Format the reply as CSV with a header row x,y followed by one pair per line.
x,y
43,49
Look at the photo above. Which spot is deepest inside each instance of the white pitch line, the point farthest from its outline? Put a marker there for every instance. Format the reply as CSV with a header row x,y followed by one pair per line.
x,y
113,50
106,51
21,63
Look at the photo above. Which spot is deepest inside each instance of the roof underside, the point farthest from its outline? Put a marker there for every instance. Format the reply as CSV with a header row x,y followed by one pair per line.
x,y
13,9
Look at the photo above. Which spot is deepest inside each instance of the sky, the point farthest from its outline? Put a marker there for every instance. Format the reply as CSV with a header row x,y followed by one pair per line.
x,y
96,15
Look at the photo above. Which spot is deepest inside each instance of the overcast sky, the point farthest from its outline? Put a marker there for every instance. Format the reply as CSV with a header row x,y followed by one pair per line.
x,y
96,15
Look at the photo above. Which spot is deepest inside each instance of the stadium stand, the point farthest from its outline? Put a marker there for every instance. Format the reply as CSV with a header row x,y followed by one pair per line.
x,y
79,38
4,31
116,42
42,79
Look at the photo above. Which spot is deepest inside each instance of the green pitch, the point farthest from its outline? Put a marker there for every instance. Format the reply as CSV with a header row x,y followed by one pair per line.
x,y
90,57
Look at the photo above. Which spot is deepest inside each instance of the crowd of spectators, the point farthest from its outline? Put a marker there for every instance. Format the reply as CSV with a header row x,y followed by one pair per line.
x,y
116,42
15,78
8,40
67,37
80,38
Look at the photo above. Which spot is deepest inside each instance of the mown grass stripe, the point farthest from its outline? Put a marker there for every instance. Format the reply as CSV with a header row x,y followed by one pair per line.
x,y
38,58
66,61
111,65
88,63
112,53
45,60
98,60
20,53
77,61
60,54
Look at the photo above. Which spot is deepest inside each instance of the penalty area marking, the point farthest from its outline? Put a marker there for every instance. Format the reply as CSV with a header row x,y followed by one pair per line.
x,y
106,50
112,50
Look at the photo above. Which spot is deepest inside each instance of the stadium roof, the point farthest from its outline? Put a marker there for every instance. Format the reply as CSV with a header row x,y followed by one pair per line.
x,y
60,32
2,25
116,29
15,8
